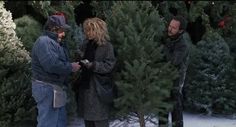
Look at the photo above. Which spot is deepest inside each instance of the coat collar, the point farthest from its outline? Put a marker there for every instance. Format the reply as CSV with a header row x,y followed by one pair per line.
x,y
51,35
175,40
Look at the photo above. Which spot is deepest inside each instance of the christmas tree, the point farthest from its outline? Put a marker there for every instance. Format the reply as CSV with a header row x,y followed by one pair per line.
x,y
28,30
143,79
16,104
227,27
102,8
217,16
208,86
172,8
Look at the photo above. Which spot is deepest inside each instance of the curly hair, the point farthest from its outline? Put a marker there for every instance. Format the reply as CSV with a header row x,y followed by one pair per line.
x,y
98,28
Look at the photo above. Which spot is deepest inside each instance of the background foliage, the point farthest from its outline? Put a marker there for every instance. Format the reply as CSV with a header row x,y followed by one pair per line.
x,y
135,29
28,30
16,104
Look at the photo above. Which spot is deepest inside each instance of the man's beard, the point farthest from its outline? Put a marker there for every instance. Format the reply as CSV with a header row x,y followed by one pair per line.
x,y
175,35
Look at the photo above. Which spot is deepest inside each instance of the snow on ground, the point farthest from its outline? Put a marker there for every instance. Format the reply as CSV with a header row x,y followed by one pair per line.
x,y
190,120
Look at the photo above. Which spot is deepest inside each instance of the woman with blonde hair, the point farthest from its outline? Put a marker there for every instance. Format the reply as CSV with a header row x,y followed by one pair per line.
x,y
97,59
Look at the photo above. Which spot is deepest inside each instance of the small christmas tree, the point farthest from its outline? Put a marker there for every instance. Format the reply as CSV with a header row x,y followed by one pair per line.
x,y
28,30
143,79
208,85
15,97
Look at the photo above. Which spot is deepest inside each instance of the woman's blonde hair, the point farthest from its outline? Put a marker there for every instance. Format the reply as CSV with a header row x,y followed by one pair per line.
x,y
98,28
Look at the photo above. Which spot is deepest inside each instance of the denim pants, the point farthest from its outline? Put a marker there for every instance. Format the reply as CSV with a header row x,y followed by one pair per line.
x,y
47,115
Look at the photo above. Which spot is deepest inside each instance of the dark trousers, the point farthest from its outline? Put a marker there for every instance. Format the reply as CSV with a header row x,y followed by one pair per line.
x,y
101,123
176,113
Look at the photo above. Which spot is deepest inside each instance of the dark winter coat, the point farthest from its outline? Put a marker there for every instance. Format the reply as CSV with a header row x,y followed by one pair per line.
x,y
177,52
90,107
50,60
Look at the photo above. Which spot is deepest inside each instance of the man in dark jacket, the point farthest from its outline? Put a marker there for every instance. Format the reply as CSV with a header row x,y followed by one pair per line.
x,y
50,70
176,51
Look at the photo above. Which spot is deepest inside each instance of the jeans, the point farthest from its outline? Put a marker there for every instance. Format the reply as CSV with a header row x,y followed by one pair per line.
x,y
47,115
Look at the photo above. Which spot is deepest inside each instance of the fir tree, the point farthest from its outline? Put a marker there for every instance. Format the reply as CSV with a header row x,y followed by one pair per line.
x,y
209,86
171,8
217,16
144,80
16,104
102,8
227,24
28,30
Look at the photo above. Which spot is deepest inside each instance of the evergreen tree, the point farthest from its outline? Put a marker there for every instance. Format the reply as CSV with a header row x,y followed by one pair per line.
x,y
102,8
172,8
16,104
28,30
214,15
208,86
227,27
143,79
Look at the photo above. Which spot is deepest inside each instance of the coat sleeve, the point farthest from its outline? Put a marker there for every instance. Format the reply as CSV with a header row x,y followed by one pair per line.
x,y
81,50
107,64
49,59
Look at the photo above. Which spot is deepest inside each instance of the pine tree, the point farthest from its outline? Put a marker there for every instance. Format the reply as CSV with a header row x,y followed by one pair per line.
x,y
217,15
28,30
171,8
102,8
208,86
211,45
16,104
143,79
227,28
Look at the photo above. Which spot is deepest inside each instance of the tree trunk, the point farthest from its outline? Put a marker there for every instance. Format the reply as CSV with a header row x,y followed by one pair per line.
x,y
141,119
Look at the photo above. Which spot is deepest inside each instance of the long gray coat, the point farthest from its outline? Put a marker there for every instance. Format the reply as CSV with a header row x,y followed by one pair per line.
x,y
90,107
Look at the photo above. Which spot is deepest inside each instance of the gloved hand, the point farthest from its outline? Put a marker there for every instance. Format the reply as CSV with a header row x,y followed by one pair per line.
x,y
87,64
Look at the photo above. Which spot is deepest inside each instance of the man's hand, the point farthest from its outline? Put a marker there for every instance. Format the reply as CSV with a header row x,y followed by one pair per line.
x,y
75,66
